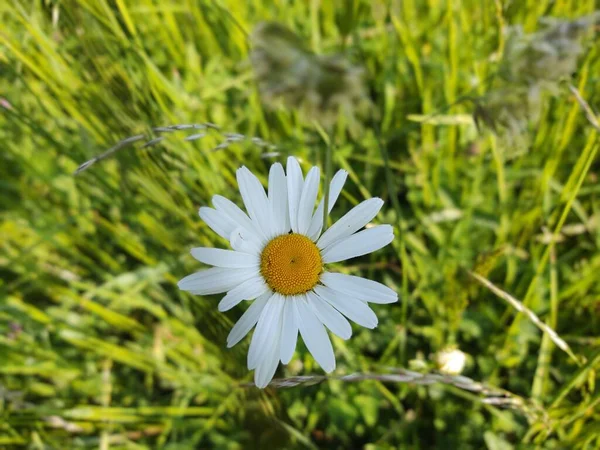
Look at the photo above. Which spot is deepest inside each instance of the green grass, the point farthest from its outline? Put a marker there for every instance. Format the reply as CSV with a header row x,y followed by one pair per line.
x,y
98,347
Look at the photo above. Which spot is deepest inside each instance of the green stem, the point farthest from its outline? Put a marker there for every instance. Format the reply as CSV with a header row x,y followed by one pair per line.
x,y
328,175
393,193
328,139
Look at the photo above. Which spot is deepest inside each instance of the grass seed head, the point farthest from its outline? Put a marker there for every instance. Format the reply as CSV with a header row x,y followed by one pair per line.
x,y
288,73
532,66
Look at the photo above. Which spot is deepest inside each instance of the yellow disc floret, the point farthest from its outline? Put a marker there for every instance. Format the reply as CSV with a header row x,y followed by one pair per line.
x,y
291,264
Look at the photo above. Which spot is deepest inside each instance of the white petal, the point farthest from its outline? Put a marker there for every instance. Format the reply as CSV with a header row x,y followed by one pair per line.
x,y
351,307
308,199
267,329
266,368
245,241
359,244
314,335
294,188
351,222
329,316
224,258
278,199
215,280
361,288
335,188
217,221
255,199
236,215
289,331
248,320
248,290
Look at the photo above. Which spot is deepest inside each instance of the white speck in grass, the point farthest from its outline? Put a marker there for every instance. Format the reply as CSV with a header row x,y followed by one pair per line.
x,y
451,361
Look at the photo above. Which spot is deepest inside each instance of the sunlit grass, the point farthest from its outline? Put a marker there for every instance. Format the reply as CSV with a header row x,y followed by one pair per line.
x,y
98,347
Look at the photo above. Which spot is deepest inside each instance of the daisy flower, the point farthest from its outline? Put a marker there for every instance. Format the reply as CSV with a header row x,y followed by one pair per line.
x,y
278,261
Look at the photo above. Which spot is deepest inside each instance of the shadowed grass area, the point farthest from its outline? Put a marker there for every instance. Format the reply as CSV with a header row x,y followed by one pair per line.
x,y
98,347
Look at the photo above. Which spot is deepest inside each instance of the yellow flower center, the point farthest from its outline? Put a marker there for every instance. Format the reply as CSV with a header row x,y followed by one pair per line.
x,y
291,264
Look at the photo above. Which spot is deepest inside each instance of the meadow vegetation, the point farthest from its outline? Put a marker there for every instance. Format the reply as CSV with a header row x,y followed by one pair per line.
x,y
489,175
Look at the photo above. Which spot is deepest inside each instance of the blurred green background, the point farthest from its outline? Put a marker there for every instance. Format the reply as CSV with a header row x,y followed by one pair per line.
x,y
98,347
